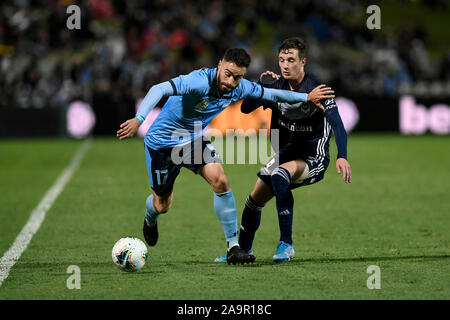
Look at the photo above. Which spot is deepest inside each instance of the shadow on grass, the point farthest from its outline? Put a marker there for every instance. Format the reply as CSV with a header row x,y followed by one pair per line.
x,y
105,268
299,261
158,266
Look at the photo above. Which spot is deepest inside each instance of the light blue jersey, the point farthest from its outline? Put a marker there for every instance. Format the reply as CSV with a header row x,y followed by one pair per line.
x,y
194,101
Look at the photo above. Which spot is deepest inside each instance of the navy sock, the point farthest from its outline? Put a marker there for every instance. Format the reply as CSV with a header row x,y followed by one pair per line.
x,y
251,218
281,180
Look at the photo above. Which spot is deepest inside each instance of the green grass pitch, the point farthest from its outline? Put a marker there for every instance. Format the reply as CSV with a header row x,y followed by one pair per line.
x,y
395,214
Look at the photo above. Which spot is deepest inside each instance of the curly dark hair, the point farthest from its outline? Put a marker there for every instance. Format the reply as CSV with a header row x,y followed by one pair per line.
x,y
237,55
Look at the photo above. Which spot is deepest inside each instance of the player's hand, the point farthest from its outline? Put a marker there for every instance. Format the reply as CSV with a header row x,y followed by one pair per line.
x,y
343,166
269,73
319,93
128,128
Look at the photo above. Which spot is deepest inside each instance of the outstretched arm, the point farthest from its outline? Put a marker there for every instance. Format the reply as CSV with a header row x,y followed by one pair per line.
x,y
319,93
154,95
266,80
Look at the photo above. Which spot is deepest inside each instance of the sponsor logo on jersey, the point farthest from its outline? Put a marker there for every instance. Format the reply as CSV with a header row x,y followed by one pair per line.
x,y
296,128
202,105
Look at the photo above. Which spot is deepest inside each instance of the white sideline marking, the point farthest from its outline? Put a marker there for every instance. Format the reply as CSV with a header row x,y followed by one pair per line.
x,y
38,215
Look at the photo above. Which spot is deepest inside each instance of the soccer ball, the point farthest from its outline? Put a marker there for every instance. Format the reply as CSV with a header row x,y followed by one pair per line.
x,y
129,254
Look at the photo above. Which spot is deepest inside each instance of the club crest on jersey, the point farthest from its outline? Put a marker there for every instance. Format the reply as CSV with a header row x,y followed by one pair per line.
x,y
305,108
202,105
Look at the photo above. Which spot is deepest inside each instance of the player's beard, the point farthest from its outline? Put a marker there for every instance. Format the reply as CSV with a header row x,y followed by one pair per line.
x,y
224,89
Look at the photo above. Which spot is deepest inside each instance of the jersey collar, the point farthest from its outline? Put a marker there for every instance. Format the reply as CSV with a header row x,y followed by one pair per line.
x,y
286,83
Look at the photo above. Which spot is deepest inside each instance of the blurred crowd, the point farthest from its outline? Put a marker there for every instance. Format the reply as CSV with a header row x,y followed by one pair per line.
x,y
123,47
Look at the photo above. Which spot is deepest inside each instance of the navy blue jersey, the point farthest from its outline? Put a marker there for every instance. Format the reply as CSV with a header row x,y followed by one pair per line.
x,y
299,121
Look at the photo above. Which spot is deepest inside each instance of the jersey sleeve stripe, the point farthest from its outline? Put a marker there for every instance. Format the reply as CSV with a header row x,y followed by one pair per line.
x,y
175,92
262,93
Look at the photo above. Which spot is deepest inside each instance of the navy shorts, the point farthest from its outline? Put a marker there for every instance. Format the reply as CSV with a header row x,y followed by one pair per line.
x,y
314,151
164,165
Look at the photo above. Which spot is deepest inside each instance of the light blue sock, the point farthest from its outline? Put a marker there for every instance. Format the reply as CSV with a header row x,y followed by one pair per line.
x,y
150,213
225,207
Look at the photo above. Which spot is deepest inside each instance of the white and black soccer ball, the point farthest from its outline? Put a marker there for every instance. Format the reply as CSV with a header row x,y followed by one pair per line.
x,y
130,254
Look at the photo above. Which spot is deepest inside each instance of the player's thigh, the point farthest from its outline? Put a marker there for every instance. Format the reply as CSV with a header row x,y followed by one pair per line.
x,y
261,192
317,168
298,169
215,175
162,173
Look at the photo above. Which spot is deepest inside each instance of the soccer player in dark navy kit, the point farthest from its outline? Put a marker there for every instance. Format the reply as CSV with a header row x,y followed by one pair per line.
x,y
303,154
176,140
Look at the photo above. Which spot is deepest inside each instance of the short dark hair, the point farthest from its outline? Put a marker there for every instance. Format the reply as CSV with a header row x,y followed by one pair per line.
x,y
237,55
294,43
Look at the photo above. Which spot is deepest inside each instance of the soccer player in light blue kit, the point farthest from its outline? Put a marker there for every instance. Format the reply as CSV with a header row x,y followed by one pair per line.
x,y
176,140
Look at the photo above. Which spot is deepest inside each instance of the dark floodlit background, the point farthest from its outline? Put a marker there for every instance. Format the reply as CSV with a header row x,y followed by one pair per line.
x,y
393,94
123,47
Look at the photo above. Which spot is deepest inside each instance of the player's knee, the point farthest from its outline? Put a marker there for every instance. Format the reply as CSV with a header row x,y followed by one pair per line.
x,y
220,184
162,205
261,194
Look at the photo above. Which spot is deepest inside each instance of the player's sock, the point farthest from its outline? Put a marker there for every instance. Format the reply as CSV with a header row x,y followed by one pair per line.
x,y
150,213
225,207
285,218
251,218
281,180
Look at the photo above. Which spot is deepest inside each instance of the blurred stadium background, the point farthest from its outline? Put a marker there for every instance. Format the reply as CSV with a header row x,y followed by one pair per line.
x,y
394,79
57,83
